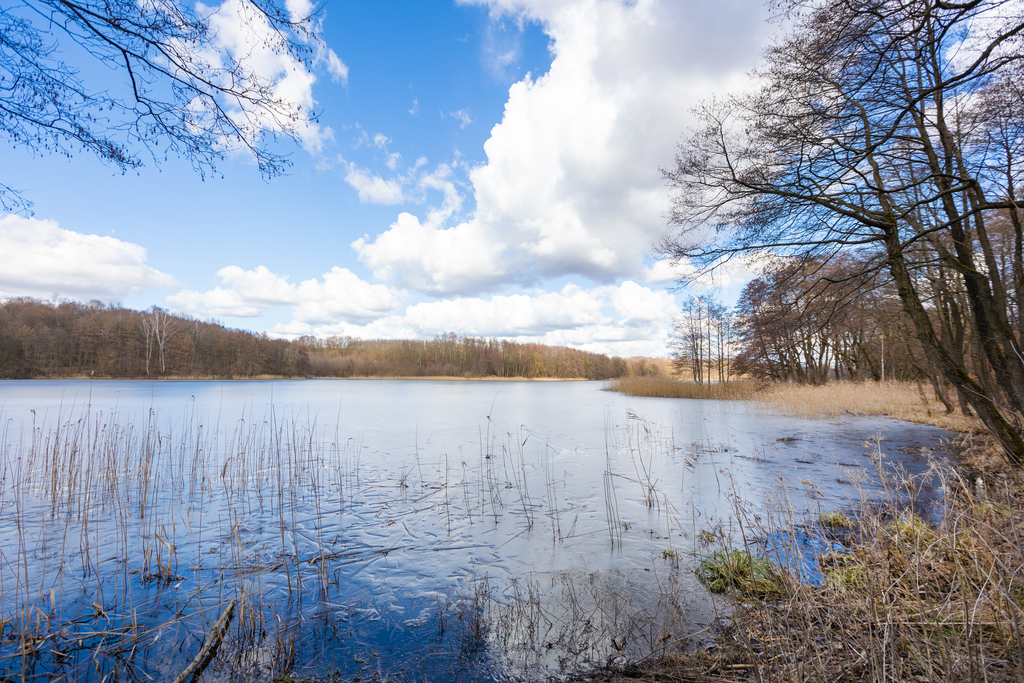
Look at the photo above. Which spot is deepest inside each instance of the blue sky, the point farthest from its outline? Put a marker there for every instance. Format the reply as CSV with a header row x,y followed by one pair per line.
x,y
485,167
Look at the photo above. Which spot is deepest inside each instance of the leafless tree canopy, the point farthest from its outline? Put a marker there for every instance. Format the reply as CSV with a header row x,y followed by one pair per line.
x,y
892,127
182,93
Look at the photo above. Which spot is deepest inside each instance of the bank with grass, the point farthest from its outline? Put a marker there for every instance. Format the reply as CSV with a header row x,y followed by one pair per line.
x,y
895,589
907,401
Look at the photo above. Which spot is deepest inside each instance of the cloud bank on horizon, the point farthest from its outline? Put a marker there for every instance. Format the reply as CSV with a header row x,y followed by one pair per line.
x,y
42,260
547,239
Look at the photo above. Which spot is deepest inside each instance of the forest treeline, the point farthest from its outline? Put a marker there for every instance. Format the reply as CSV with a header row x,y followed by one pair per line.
x,y
70,339
813,320
808,324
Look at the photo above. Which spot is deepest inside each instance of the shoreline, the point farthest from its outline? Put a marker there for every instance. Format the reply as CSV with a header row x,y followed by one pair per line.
x,y
904,401
264,378
938,587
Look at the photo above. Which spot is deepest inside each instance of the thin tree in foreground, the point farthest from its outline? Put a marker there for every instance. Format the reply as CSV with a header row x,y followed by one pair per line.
x,y
894,127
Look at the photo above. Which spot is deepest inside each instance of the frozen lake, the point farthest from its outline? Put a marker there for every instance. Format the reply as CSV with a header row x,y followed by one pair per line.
x,y
458,528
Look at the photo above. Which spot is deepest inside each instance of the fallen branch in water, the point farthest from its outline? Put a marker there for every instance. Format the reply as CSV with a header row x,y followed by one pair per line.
x,y
205,654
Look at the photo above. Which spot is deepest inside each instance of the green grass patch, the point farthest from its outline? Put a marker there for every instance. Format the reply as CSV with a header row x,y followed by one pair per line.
x,y
750,575
835,520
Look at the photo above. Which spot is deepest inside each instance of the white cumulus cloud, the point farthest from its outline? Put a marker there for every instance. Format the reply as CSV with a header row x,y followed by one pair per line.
x,y
728,274
638,304
372,188
245,35
343,295
339,296
665,271
41,259
509,316
299,10
433,259
572,185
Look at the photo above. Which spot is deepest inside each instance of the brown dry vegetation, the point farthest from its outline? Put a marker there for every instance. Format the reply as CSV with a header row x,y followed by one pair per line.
x,y
661,386
916,594
906,600
899,400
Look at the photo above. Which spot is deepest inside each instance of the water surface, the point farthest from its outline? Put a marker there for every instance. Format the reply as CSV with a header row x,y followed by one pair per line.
x,y
474,530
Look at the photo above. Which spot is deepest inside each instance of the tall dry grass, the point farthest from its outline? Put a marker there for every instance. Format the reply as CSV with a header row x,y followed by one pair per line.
x,y
911,592
114,533
660,386
899,400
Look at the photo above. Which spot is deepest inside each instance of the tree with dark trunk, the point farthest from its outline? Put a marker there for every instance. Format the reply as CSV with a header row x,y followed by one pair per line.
x,y
892,127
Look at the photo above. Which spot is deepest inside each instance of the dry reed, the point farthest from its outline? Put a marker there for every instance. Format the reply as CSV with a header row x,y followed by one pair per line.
x,y
130,510
899,400
660,386
116,533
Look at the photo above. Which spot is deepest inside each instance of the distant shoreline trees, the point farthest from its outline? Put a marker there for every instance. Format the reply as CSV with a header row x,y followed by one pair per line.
x,y
70,339
790,324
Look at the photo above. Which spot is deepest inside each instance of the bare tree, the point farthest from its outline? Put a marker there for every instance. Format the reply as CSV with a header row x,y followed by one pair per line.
x,y
182,93
158,326
687,340
870,130
147,338
701,340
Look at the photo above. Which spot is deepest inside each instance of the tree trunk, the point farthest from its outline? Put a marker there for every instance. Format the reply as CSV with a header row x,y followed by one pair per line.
x,y
1000,428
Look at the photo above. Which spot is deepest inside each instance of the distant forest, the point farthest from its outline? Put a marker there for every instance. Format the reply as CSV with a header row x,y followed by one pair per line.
x,y
69,339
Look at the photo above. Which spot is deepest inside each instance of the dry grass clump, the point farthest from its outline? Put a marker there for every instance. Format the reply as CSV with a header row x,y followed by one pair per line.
x,y
835,519
910,602
661,386
916,595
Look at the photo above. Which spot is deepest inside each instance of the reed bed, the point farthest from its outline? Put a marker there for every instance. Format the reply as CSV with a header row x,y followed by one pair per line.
x,y
135,549
660,386
906,401
115,536
123,546
578,625
908,592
